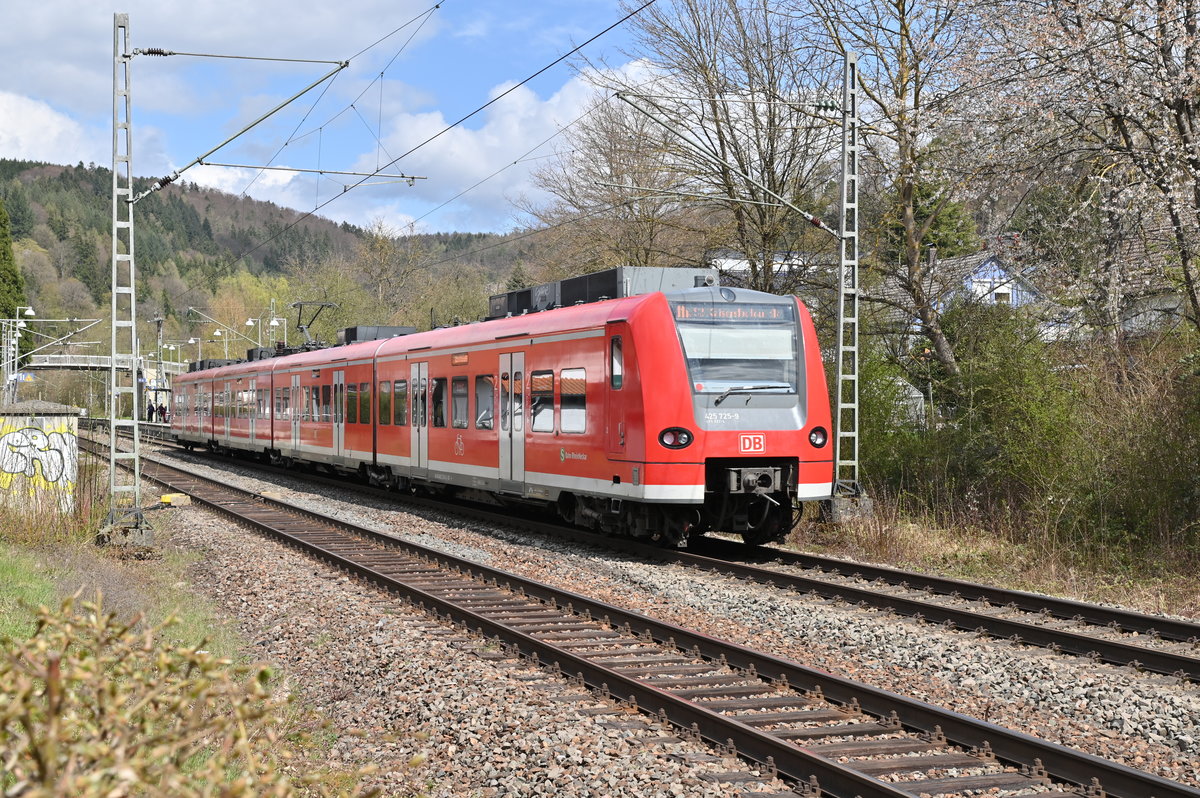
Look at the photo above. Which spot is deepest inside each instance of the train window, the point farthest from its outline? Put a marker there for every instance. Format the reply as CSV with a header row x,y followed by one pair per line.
x,y
385,403
617,359
518,402
439,401
339,395
420,401
573,400
459,410
541,401
485,401
352,403
325,391
316,402
505,400
364,403
401,415
747,347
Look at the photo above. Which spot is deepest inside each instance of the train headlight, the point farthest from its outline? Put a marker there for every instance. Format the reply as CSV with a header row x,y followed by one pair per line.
x,y
675,437
818,437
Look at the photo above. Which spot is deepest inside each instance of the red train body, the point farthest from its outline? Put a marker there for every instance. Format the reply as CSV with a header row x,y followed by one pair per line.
x,y
661,415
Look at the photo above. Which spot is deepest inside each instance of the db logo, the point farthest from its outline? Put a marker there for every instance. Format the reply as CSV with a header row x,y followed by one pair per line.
x,y
755,443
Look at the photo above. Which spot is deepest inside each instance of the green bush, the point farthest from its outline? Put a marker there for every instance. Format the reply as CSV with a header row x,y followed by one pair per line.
x,y
91,706
1088,450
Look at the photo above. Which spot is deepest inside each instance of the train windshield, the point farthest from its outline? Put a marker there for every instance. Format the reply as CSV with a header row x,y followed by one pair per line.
x,y
738,346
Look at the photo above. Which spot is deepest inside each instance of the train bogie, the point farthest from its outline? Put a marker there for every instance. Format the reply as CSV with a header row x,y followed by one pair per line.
x,y
661,416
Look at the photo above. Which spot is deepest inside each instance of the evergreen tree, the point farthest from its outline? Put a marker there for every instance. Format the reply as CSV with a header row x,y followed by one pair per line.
x,y
517,279
12,286
20,214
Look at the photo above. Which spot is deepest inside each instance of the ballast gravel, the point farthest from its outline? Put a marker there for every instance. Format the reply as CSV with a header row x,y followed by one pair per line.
x,y
1145,721
414,697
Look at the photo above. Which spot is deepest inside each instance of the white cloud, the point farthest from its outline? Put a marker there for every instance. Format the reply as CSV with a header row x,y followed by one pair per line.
x,y
35,131
55,100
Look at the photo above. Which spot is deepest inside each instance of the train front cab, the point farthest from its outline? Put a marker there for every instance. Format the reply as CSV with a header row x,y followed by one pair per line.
x,y
738,407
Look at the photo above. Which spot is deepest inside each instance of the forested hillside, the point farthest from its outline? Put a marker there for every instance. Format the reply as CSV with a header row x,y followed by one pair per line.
x,y
229,256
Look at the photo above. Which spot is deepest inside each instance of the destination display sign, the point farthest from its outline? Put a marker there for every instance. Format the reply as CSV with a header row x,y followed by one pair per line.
x,y
708,311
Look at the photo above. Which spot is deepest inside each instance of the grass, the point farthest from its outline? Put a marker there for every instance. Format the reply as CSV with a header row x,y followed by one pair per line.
x,y
156,587
24,586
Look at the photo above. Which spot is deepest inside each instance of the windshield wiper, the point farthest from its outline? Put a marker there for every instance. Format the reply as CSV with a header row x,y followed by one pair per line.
x,y
746,389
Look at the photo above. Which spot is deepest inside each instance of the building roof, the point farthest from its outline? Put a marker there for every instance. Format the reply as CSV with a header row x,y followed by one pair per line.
x,y
37,407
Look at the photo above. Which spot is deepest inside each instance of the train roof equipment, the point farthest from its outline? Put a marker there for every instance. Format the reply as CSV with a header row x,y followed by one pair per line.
x,y
618,283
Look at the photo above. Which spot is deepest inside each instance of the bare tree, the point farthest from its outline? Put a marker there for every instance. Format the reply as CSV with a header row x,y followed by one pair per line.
x,y
926,149
1120,79
615,196
387,263
727,78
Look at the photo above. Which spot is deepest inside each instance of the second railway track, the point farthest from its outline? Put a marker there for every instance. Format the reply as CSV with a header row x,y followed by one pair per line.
x,y
854,739
1108,634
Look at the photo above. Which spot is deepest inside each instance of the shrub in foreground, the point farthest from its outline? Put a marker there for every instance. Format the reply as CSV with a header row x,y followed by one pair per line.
x,y
92,706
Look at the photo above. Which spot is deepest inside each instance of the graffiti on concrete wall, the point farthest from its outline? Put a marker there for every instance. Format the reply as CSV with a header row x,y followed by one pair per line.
x,y
38,459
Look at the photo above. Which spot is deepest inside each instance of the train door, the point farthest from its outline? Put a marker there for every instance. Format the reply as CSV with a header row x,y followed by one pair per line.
x,y
226,409
295,406
512,422
339,411
614,398
419,428
251,411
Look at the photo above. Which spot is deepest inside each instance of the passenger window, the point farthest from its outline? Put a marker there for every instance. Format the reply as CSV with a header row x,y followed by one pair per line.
x,y
617,360
385,403
458,409
325,391
518,402
541,401
505,400
420,402
439,401
352,403
572,400
485,401
364,403
401,402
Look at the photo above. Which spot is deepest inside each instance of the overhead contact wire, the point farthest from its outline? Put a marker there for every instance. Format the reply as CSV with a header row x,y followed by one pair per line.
x,y
453,125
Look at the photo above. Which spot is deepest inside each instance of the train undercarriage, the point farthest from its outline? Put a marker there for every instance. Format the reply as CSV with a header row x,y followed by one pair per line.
x,y
753,499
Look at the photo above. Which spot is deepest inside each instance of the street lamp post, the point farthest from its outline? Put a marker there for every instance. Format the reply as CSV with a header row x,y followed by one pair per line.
x,y
10,333
273,321
200,341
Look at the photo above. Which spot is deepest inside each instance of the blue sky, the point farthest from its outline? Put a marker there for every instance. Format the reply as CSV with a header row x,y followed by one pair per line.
x,y
55,95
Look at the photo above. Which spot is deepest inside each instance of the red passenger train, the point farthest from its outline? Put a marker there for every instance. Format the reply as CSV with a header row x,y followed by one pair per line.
x,y
660,416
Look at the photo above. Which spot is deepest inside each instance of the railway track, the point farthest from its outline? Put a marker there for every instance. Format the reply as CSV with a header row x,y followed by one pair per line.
x,y
807,726
1106,634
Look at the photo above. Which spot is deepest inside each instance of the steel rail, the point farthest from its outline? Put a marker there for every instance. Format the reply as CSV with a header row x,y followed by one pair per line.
x,y
791,760
1077,643
1011,746
1069,609
1060,640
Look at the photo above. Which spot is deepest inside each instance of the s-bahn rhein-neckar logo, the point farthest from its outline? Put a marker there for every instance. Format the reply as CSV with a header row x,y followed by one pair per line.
x,y
564,455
